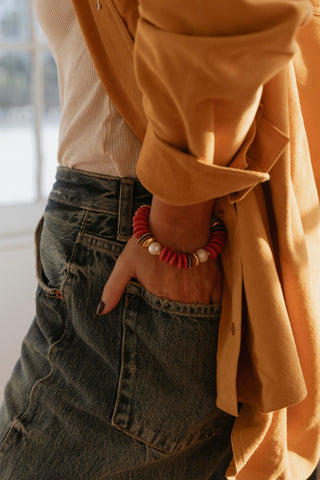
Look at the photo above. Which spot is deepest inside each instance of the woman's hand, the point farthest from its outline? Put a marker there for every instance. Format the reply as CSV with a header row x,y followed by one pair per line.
x,y
183,229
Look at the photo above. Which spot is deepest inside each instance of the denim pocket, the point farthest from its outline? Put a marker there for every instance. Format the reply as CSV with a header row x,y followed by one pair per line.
x,y
167,388
56,242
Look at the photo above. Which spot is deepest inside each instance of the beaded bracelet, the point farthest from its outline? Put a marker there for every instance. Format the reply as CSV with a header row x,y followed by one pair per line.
x,y
140,224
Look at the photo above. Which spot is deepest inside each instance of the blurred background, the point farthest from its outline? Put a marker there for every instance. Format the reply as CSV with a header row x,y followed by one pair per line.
x,y
29,123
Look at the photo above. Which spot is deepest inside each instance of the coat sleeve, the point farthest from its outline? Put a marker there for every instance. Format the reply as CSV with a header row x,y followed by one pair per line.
x,y
201,66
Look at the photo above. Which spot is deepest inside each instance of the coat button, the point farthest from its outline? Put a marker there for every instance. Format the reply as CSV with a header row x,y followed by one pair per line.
x,y
99,5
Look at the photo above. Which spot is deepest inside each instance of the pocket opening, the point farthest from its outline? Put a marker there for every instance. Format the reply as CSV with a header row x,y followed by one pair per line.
x,y
41,277
56,290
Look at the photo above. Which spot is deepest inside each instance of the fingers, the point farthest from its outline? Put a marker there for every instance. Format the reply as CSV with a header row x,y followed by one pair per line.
x,y
199,285
114,287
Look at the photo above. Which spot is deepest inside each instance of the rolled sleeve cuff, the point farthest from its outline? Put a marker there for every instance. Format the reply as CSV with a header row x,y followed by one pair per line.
x,y
178,178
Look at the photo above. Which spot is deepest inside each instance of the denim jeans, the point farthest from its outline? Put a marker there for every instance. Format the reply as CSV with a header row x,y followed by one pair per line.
x,y
128,395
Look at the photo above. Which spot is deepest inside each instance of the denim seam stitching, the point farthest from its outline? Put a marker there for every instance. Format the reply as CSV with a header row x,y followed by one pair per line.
x,y
35,387
154,462
50,292
141,439
75,249
120,382
100,243
144,294
172,311
141,467
116,405
82,206
114,423
158,460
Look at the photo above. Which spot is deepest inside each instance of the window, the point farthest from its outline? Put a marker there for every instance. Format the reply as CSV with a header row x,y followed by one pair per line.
x,y
29,117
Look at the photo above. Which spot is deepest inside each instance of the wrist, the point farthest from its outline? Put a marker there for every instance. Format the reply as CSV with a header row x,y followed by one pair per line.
x,y
181,228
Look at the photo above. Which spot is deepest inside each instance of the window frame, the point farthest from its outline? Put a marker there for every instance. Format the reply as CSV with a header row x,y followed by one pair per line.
x,y
17,221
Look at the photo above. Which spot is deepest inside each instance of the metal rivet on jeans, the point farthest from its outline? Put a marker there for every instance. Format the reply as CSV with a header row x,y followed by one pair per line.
x,y
58,294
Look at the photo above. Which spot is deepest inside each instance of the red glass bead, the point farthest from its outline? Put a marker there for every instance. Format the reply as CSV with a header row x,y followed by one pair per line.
x,y
218,233
173,258
144,215
139,221
143,210
185,262
139,233
136,227
140,227
216,247
179,260
140,218
163,253
212,252
168,255
216,241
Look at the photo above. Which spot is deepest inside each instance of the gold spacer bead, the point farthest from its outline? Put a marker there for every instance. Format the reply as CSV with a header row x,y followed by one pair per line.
x,y
195,259
147,242
144,237
215,223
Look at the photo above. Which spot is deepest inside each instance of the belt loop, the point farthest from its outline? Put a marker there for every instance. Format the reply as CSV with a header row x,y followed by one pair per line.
x,y
125,209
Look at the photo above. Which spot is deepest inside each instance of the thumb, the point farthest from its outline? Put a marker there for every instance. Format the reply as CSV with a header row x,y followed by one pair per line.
x,y
114,287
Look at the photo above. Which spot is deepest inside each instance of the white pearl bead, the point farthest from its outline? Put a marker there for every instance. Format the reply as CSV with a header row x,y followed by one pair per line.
x,y
202,254
154,248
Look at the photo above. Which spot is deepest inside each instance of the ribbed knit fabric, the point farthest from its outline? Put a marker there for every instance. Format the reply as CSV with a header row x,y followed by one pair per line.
x,y
93,136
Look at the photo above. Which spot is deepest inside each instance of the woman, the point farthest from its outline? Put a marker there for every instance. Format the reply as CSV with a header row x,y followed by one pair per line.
x,y
130,392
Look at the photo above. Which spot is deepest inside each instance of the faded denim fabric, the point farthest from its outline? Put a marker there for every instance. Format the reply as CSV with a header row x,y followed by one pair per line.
x,y
129,395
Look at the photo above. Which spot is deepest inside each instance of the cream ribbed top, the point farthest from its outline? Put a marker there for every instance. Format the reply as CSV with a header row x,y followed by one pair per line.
x,y
93,136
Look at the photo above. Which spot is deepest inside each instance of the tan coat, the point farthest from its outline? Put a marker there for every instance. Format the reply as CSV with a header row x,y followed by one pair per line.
x,y
222,114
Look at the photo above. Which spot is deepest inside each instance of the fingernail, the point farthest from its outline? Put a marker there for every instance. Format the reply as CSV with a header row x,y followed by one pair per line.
x,y
100,308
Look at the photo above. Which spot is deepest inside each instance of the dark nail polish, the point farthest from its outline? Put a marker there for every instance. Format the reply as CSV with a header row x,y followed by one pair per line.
x,y
100,308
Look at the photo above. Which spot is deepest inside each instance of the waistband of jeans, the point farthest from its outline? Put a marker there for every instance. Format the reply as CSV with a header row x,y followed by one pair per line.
x,y
97,192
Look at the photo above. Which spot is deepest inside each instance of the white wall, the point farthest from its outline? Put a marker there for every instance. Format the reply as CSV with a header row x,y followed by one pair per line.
x,y
17,293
